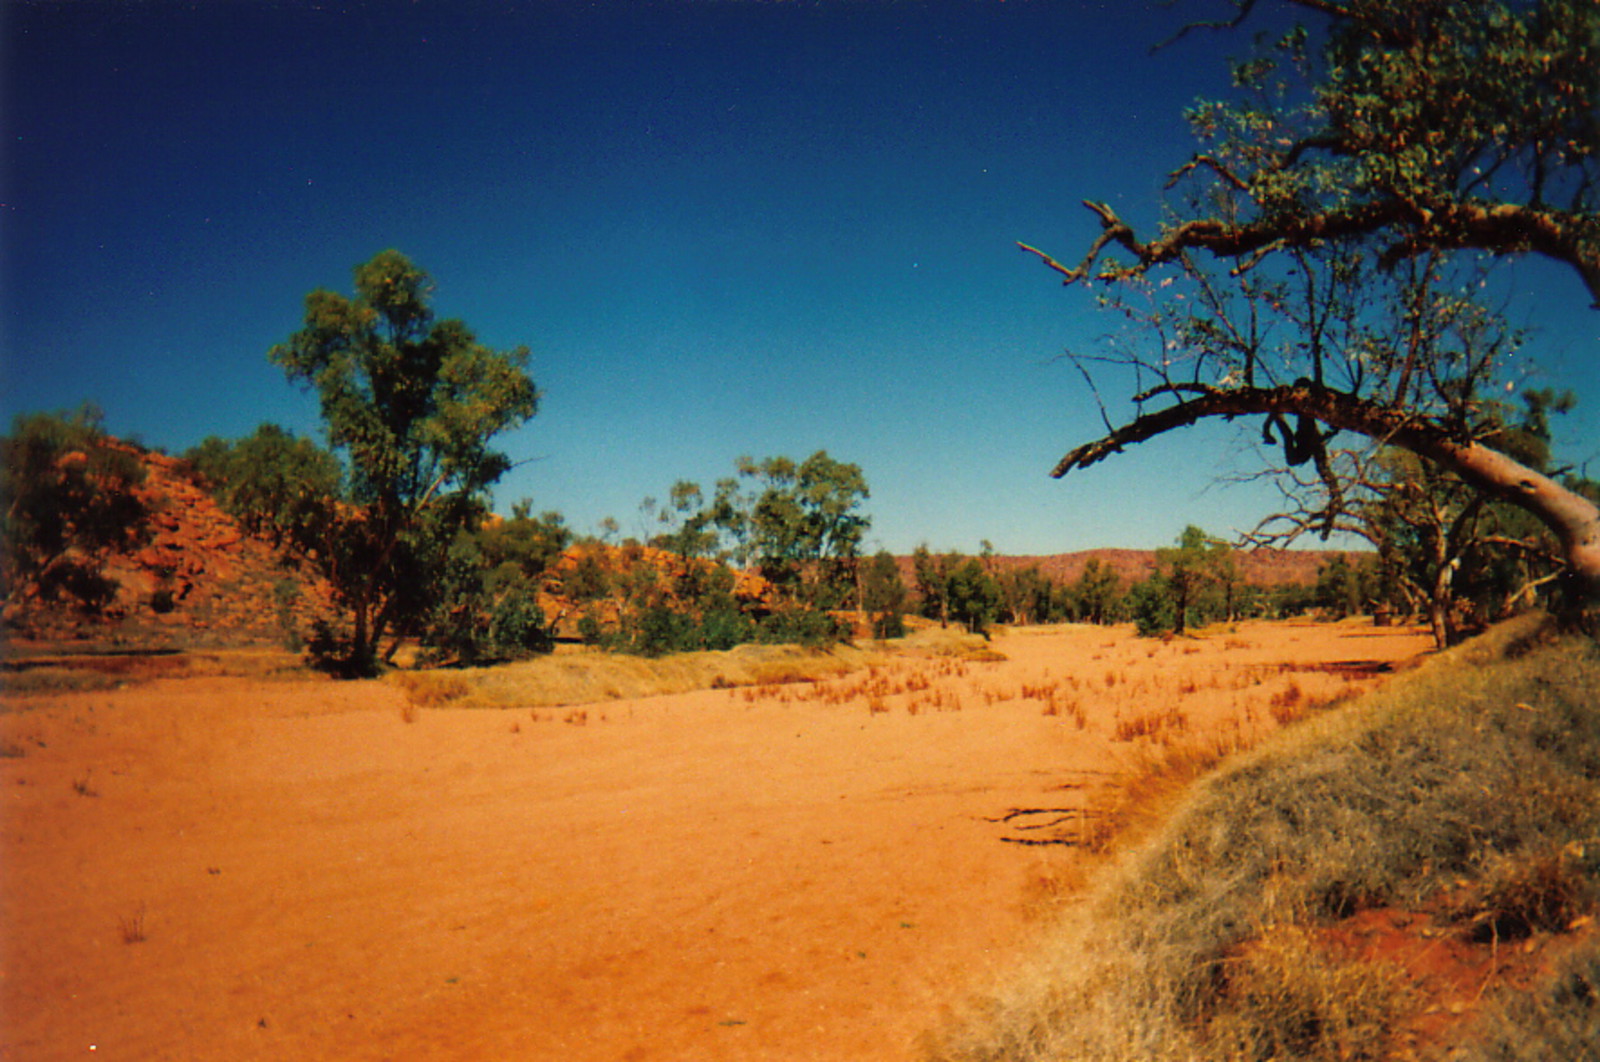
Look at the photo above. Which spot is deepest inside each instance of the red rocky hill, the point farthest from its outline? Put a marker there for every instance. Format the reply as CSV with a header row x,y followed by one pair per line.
x,y
1263,567
200,580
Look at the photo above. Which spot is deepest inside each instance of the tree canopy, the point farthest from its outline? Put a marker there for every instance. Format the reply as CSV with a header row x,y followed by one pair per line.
x,y
273,482
1326,261
412,404
1428,124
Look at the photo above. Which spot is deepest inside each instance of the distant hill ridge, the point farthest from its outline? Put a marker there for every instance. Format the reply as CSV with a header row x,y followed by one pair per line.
x,y
1261,567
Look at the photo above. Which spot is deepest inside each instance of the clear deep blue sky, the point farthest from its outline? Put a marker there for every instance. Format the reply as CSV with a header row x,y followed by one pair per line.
x,y
723,227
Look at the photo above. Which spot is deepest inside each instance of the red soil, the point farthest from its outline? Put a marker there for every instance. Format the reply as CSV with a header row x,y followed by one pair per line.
x,y
234,868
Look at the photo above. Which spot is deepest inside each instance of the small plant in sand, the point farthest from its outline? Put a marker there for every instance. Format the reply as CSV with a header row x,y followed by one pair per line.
x,y
132,927
1158,724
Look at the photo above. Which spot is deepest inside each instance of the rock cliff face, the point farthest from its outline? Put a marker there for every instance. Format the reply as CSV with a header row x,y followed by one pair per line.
x,y
605,569
200,579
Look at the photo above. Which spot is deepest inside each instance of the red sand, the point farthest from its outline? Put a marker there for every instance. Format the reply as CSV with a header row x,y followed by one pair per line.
x,y
702,876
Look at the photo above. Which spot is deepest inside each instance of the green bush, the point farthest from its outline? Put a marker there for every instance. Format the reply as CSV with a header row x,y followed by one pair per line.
x,y
67,501
798,625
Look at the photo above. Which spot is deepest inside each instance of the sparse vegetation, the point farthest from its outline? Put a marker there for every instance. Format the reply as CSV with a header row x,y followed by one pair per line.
x,y
1462,794
131,927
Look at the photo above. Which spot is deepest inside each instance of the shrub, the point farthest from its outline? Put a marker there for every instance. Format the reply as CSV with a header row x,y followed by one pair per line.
x,y
799,625
69,500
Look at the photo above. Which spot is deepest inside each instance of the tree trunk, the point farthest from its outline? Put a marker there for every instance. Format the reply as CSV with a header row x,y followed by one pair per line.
x,y
1439,604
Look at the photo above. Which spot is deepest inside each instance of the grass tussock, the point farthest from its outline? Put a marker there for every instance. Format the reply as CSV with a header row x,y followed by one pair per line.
x,y
1464,793
432,689
1559,1019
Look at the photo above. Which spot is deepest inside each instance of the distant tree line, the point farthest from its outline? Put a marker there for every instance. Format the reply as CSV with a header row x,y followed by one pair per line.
x,y
72,500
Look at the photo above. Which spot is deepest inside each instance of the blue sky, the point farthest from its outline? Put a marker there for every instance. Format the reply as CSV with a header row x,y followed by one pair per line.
x,y
723,227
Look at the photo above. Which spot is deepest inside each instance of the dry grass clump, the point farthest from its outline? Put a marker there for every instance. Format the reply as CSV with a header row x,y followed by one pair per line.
x,y
1159,725
131,927
1466,788
1287,995
431,689
1558,1019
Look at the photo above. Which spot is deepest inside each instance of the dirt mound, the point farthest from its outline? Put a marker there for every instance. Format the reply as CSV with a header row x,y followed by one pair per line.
x,y
200,579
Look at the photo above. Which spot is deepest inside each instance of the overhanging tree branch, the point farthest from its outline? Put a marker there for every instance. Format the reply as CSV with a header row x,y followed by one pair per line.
x,y
1573,519
1501,228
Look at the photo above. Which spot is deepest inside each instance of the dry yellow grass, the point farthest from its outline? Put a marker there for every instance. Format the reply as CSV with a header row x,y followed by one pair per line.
x,y
1461,792
590,676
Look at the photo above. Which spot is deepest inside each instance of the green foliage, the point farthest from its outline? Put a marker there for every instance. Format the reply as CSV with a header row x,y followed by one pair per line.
x,y
1452,551
799,524
1435,107
489,600
588,580
1344,588
690,524
657,622
273,483
412,404
1184,590
1150,604
69,501
527,543
1027,596
973,596
932,574
801,625
723,624
1095,593
486,606
956,588
883,596
802,524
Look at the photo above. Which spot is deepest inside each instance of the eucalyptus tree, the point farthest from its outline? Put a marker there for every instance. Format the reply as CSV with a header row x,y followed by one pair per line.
x,y
1322,265
801,523
411,404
